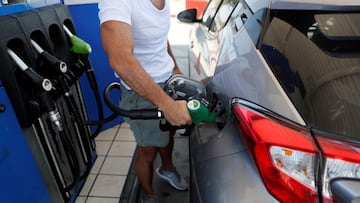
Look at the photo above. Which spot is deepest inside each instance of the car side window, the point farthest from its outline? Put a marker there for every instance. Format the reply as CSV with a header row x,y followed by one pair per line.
x,y
210,12
223,14
254,24
315,57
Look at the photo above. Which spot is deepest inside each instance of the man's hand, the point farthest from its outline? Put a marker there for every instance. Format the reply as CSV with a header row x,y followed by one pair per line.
x,y
177,70
177,113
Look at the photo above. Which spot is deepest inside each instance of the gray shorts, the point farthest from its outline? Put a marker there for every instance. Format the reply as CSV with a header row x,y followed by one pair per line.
x,y
146,132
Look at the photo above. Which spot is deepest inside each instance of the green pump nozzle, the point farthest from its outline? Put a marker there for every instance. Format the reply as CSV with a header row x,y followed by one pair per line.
x,y
79,45
199,112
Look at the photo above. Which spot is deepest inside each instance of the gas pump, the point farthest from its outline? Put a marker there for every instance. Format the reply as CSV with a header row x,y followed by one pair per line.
x,y
44,86
39,78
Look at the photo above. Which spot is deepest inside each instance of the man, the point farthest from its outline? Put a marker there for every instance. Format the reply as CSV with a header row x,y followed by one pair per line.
x,y
134,36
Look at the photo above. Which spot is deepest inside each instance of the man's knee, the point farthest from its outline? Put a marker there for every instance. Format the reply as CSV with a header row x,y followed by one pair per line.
x,y
147,153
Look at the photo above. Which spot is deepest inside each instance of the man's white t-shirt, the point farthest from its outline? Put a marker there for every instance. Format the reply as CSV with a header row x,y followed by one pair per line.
x,y
150,27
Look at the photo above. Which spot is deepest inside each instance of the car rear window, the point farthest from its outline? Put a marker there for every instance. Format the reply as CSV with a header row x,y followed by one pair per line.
x,y
316,58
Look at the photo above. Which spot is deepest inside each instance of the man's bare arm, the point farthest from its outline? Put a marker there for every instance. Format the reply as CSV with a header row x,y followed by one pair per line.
x,y
176,67
118,44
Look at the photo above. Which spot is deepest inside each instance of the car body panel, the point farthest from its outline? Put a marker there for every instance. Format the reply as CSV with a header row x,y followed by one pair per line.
x,y
214,182
239,65
249,71
203,55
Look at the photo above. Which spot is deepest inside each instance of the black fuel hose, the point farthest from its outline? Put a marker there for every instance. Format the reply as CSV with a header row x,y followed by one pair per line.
x,y
54,163
103,121
83,65
82,49
95,88
142,114
70,102
73,162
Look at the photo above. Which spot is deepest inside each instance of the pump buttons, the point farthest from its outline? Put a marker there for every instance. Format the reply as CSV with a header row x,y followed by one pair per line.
x,y
2,108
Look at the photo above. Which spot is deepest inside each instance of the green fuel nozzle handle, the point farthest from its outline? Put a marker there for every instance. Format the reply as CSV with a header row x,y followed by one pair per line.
x,y
199,112
79,46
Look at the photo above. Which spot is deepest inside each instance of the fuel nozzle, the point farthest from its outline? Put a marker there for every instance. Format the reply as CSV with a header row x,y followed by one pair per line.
x,y
39,81
201,102
79,46
56,64
49,106
44,86
56,67
83,49
199,112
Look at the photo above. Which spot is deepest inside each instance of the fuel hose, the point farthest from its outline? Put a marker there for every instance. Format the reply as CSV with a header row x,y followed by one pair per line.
x,y
83,49
143,114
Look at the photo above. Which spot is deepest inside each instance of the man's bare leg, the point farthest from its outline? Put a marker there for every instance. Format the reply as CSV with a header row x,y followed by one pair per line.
x,y
166,152
144,168
167,171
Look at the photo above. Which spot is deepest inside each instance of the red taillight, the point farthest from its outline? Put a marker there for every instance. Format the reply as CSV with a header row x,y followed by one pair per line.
x,y
342,160
287,158
284,154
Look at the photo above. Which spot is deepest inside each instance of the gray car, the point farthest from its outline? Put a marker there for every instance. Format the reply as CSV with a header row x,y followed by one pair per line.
x,y
288,72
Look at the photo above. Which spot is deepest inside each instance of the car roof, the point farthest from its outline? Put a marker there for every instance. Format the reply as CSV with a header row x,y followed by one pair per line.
x,y
332,5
